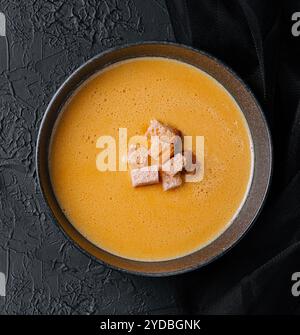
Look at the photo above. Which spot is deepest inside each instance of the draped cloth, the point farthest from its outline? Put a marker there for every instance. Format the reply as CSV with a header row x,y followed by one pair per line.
x,y
255,39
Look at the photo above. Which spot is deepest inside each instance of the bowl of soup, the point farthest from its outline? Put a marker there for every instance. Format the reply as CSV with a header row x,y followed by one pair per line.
x,y
146,230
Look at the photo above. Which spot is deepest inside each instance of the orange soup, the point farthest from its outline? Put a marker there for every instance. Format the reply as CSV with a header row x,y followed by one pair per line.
x,y
147,223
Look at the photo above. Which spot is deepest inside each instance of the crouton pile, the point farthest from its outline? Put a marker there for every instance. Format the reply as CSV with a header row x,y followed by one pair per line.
x,y
163,162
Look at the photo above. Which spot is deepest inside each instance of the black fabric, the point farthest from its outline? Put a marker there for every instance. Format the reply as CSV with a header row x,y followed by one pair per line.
x,y
254,38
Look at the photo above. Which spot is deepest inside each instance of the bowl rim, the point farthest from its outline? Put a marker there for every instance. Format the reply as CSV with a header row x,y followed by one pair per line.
x,y
241,83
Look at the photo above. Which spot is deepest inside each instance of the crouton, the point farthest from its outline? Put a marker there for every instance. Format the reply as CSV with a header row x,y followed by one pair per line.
x,y
170,182
160,152
147,175
137,156
164,162
174,165
164,132
164,141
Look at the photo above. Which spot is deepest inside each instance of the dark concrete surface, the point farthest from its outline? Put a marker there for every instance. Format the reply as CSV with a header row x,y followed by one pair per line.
x,y
45,42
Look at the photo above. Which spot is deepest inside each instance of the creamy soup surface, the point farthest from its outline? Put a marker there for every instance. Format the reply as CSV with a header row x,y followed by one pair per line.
x,y
147,223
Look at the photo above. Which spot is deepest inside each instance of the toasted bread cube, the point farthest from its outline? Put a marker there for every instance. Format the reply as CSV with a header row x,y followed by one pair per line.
x,y
170,182
147,175
137,156
166,133
168,150
173,165
163,141
161,152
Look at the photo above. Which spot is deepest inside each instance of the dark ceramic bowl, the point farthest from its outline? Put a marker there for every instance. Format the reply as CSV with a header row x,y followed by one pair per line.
x,y
261,146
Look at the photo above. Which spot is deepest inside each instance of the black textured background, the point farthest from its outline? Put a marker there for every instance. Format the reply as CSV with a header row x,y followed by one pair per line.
x,y
46,41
